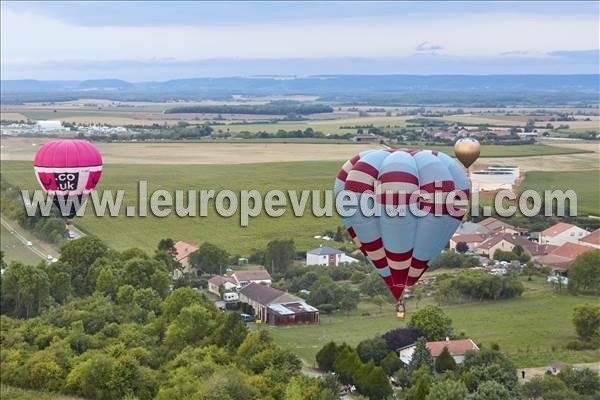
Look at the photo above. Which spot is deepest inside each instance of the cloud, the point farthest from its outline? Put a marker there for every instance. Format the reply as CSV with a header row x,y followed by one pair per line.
x,y
429,48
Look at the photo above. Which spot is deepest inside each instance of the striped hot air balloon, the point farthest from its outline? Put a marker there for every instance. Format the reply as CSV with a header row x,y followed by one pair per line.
x,y
68,169
402,245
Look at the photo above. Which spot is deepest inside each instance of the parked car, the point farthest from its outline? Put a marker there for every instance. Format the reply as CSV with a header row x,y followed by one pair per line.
x,y
28,243
247,318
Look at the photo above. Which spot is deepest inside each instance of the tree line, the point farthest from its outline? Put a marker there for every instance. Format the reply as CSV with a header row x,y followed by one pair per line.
x,y
283,107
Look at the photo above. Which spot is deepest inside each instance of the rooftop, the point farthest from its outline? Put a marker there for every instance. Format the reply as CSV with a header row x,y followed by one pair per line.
x,y
252,275
324,251
455,347
592,238
184,249
571,250
468,238
557,229
267,295
220,280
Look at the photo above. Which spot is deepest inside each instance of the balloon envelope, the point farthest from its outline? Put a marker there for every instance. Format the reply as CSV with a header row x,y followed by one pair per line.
x,y
68,169
415,193
467,151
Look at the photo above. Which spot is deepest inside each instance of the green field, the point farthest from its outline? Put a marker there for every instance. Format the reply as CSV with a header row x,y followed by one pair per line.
x,y
531,330
125,232
585,183
121,233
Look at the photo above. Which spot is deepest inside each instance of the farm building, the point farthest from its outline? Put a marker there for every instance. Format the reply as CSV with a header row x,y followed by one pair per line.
x,y
273,306
328,256
182,252
217,282
562,233
457,349
368,138
494,178
245,277
593,239
47,126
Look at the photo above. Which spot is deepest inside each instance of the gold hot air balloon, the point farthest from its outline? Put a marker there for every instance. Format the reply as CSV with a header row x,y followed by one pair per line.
x,y
467,151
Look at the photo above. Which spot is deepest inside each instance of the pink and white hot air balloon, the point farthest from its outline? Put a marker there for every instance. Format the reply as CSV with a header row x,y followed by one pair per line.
x,y
68,169
402,246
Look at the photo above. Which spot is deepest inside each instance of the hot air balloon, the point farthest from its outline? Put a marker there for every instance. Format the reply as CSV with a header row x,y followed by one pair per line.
x,y
68,170
467,151
399,242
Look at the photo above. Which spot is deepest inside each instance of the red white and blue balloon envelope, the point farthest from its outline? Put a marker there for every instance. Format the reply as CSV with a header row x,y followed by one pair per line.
x,y
67,169
402,247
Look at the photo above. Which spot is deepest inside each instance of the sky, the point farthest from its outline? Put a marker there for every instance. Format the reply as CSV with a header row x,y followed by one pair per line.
x,y
139,41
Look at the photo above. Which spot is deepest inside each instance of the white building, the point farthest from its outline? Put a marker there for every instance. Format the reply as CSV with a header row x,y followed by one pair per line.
x,y
328,256
495,177
47,126
457,348
245,277
562,233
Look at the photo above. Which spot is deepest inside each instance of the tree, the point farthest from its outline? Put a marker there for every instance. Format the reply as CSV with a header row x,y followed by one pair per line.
x,y
391,363
584,274
79,255
433,322
490,390
372,350
401,337
279,255
447,390
421,380
190,327
326,356
548,387
445,362
209,258
489,365
587,321
421,356
27,288
107,282
584,381
462,247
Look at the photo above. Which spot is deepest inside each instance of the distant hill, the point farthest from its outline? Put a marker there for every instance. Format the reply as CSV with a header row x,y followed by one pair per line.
x,y
410,89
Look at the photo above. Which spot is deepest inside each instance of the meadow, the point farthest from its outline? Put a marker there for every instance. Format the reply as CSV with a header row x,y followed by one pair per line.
x,y
531,330
145,232
585,183
14,250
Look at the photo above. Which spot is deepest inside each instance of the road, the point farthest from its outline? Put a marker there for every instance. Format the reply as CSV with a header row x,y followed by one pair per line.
x,y
19,234
531,372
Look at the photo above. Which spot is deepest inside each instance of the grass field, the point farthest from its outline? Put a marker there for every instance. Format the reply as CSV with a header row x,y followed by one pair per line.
x,y
531,330
125,232
145,233
585,183
236,152
13,393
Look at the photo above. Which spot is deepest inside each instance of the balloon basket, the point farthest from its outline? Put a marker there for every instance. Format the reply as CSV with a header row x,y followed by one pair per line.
x,y
400,311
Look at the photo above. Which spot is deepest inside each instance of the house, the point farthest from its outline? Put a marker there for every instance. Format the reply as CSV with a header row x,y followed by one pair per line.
x,y
457,349
496,226
245,277
47,126
328,256
273,306
472,228
507,242
562,233
182,253
216,282
472,241
563,256
593,239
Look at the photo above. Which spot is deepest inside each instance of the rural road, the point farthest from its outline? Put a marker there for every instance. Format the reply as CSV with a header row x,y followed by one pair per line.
x,y
23,239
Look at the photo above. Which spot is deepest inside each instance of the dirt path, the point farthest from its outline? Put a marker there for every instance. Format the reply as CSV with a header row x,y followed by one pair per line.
x,y
539,371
